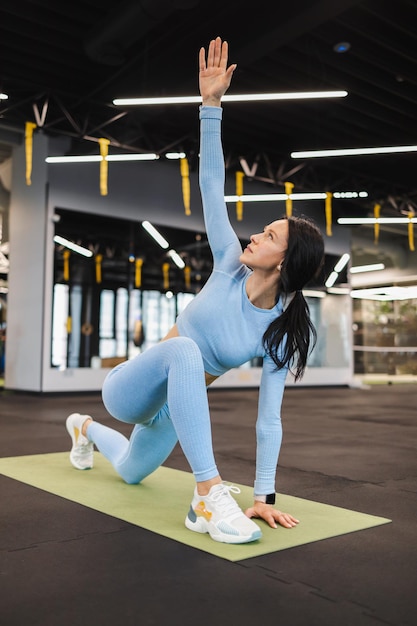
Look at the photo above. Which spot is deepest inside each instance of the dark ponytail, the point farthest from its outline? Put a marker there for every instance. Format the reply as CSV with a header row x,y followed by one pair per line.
x,y
290,337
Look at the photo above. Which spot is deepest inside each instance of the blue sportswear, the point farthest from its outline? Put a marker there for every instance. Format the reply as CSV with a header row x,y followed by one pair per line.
x,y
163,391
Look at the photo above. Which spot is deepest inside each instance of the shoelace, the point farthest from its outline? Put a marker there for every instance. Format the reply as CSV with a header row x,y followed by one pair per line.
x,y
224,501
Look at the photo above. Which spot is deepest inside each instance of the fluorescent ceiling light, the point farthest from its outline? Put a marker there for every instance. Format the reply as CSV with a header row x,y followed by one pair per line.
x,y
155,234
342,262
331,279
95,158
350,194
74,159
341,291
250,97
313,293
376,220
280,197
313,154
372,267
385,293
175,155
72,246
177,259
145,156
275,197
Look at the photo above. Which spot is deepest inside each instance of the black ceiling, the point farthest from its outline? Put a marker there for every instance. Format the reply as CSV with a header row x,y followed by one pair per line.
x,y
69,60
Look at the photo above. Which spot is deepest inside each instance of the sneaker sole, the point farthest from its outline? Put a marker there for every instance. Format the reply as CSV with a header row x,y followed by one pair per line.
x,y
202,526
70,430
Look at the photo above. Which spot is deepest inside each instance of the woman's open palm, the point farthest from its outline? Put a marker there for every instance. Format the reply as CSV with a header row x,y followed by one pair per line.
x,y
214,76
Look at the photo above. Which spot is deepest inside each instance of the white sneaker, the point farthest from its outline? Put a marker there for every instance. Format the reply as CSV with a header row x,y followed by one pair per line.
x,y
219,515
81,455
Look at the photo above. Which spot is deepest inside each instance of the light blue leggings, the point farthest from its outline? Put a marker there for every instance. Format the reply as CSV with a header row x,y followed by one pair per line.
x,y
139,391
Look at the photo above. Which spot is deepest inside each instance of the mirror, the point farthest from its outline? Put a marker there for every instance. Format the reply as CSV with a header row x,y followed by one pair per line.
x,y
126,294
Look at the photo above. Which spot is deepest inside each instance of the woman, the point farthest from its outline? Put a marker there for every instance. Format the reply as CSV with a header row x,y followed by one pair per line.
x,y
251,306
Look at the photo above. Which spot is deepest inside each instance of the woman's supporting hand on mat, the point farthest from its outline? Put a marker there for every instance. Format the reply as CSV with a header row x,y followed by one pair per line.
x,y
271,516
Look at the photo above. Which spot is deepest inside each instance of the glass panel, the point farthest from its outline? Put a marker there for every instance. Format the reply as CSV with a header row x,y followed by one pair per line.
x,y
183,299
331,318
167,304
59,326
107,345
121,321
75,336
385,337
158,315
135,317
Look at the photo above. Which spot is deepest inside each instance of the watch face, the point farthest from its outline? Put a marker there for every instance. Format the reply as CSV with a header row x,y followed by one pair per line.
x,y
270,498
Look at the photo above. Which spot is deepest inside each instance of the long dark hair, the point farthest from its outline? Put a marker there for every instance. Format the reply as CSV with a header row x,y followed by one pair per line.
x,y
293,333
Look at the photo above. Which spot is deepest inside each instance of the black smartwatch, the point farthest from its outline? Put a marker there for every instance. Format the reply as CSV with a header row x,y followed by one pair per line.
x,y
269,499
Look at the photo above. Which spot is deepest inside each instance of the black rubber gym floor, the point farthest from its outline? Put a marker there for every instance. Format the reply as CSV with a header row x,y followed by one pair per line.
x,y
63,564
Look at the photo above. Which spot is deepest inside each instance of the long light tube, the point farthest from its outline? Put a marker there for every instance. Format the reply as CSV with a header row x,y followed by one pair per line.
x,y
155,234
340,265
280,197
250,97
372,267
313,293
179,262
175,155
377,220
275,197
331,279
95,158
72,246
340,291
385,293
314,154
342,262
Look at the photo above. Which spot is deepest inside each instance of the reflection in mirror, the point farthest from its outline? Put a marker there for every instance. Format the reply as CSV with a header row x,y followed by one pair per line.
x,y
126,295
129,280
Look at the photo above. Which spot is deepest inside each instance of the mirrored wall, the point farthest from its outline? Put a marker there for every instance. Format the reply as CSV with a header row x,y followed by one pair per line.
x,y
119,292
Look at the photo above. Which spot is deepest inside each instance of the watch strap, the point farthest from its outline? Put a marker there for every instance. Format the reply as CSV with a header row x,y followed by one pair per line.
x,y
266,499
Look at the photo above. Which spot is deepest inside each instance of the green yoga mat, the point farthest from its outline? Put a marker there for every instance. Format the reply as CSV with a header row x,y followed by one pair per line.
x,y
161,502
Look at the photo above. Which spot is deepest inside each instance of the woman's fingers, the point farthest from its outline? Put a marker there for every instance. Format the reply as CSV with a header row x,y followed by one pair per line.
x,y
272,516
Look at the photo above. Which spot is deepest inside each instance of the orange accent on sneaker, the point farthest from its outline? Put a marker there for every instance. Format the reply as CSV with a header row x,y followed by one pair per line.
x,y
201,510
76,433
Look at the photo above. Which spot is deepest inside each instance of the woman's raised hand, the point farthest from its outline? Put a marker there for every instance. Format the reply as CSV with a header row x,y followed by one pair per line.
x,y
214,76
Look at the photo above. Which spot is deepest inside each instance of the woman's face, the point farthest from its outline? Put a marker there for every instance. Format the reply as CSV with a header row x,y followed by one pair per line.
x,y
266,250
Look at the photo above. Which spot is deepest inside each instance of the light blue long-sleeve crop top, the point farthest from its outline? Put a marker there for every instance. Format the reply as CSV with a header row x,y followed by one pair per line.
x,y
223,322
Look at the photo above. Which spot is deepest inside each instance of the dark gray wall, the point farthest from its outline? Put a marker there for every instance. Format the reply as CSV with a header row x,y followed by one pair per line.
x,y
152,190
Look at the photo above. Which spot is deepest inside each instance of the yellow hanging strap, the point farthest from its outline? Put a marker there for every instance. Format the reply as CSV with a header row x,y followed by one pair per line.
x,y
185,176
104,165
66,255
411,232
187,276
239,192
99,258
138,273
165,271
377,213
328,207
29,128
288,202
